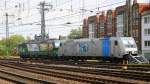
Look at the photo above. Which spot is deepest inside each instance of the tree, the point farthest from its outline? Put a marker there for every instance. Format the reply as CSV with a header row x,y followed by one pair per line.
x,y
75,33
28,38
15,40
7,46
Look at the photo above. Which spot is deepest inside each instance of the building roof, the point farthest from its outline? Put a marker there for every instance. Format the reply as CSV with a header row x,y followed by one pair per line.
x,y
112,12
94,18
85,21
146,12
102,16
142,6
91,17
120,8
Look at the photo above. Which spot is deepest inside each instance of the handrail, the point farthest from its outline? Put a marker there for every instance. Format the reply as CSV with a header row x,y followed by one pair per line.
x,y
143,59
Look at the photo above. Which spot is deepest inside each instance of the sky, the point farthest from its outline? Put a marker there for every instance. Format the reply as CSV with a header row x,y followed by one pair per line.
x,y
62,12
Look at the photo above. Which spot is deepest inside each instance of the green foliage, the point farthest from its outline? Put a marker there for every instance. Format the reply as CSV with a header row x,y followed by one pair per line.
x,y
8,46
75,33
14,40
28,38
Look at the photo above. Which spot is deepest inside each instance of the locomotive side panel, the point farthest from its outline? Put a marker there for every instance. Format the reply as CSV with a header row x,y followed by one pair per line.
x,y
38,49
70,49
96,47
67,49
115,47
89,47
86,47
121,46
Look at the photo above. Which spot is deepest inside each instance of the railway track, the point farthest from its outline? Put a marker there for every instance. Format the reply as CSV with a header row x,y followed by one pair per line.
x,y
65,75
133,72
84,64
134,67
117,66
20,79
110,72
37,77
101,71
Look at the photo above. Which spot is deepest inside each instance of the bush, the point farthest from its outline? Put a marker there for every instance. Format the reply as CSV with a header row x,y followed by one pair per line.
x,y
8,47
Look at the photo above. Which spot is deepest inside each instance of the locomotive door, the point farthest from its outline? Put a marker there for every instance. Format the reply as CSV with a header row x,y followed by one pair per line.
x,y
105,47
115,48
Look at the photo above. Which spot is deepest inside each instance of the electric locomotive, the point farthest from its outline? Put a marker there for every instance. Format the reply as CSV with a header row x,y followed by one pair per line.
x,y
112,49
39,49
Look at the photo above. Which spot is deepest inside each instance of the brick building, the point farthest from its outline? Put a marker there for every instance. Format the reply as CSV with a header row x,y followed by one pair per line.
x,y
120,24
85,28
102,25
110,23
93,26
137,9
115,23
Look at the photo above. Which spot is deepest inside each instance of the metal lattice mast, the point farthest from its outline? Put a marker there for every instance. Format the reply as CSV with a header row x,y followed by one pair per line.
x,y
128,18
83,8
7,29
42,20
42,11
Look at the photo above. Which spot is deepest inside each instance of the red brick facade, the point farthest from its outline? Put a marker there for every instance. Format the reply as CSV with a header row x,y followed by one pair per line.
x,y
114,23
93,20
110,23
102,25
85,28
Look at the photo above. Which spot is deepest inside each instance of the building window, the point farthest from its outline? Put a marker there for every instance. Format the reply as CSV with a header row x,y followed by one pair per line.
x,y
109,25
136,17
137,33
101,26
101,29
146,20
147,43
91,30
133,33
147,32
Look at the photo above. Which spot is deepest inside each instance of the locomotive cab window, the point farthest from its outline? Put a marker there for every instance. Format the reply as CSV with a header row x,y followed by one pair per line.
x,y
116,43
57,44
60,44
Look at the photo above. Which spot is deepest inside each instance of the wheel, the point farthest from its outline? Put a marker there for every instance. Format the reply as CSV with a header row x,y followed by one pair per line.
x,y
125,59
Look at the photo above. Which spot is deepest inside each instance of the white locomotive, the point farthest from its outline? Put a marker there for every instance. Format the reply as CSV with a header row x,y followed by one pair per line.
x,y
112,48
